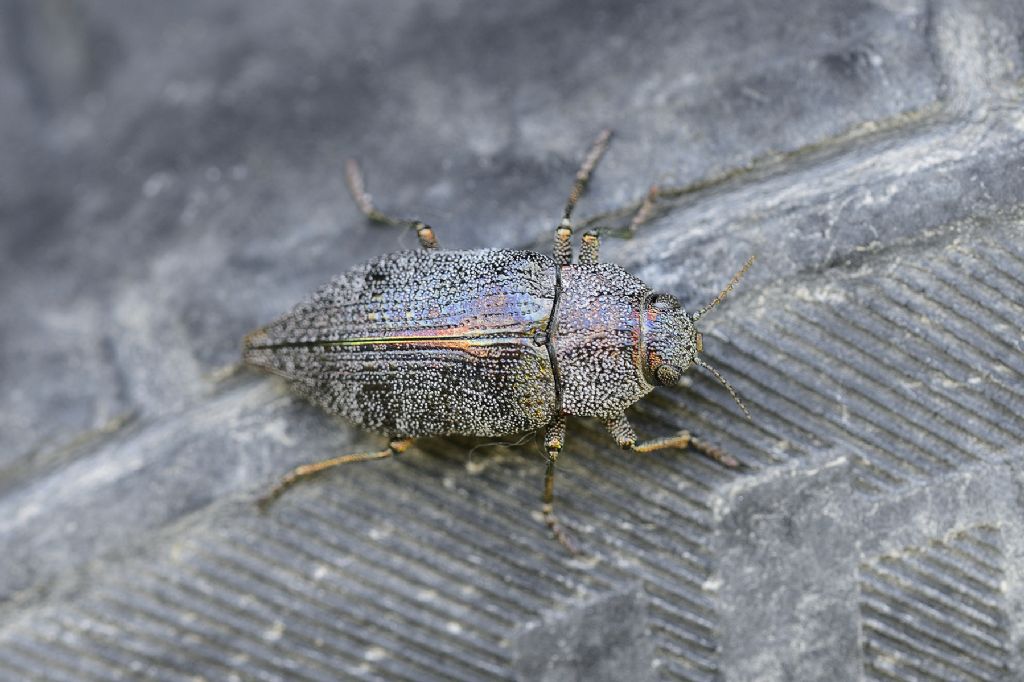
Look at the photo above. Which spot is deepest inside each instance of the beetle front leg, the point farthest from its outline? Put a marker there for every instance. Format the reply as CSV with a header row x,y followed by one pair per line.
x,y
357,188
553,439
590,250
622,431
395,447
644,213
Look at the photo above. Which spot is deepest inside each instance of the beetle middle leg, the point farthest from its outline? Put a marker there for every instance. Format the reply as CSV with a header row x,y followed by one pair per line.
x,y
395,447
357,188
622,431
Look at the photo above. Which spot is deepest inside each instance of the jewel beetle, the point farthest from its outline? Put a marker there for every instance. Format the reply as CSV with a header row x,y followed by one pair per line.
x,y
489,343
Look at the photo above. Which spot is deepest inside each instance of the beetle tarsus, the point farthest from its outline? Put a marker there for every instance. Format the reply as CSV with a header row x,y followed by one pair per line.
x,y
222,374
645,211
548,508
563,538
716,453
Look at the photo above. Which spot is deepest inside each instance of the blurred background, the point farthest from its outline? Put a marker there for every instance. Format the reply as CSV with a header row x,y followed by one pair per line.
x,y
171,177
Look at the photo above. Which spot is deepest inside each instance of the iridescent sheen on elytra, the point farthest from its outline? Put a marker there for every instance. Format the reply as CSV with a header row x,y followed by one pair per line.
x,y
484,343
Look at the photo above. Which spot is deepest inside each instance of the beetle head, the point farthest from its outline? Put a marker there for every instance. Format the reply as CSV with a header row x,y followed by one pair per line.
x,y
673,342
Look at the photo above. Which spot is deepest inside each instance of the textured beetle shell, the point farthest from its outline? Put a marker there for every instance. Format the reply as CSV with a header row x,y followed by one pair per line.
x,y
424,343
598,340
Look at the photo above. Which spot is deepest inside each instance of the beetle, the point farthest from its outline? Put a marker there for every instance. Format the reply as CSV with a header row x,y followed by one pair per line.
x,y
487,343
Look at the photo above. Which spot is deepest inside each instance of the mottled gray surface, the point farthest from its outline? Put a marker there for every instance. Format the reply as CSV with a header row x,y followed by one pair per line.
x,y
172,178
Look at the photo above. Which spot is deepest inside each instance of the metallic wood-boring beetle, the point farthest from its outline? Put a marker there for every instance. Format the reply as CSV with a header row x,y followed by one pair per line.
x,y
486,343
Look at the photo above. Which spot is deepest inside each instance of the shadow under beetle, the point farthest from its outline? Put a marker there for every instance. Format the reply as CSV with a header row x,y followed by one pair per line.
x,y
486,343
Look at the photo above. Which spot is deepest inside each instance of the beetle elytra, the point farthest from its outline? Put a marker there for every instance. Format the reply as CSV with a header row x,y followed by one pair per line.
x,y
487,343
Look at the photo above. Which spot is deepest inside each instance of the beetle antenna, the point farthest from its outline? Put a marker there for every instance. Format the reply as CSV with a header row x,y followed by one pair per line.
x,y
725,292
725,383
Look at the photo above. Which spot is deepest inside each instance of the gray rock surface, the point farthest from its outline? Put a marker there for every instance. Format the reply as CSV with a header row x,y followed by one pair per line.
x,y
171,178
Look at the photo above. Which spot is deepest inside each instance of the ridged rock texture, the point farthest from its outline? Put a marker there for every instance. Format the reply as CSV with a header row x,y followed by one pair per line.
x,y
172,178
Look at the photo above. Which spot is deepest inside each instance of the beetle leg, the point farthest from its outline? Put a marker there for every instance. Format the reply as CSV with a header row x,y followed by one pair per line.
x,y
594,155
425,233
357,188
685,439
222,374
590,248
622,431
395,447
553,439
589,251
643,214
563,233
563,243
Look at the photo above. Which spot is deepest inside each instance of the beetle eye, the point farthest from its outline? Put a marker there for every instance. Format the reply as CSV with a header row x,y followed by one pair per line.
x,y
665,302
668,375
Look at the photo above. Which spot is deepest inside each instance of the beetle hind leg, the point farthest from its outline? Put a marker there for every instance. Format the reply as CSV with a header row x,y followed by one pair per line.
x,y
306,471
357,188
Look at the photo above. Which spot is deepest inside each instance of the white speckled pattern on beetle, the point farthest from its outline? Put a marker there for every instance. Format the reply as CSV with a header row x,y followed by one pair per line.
x,y
421,343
